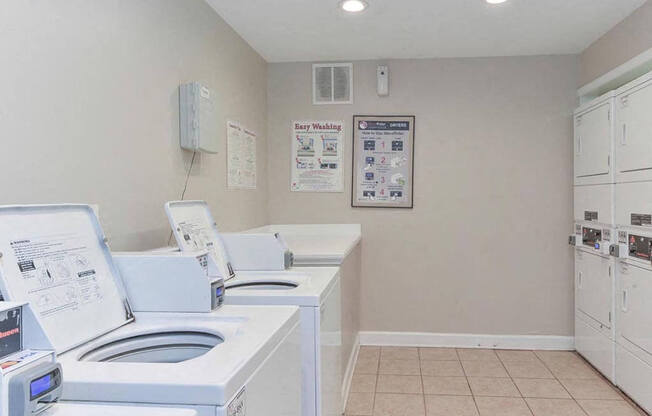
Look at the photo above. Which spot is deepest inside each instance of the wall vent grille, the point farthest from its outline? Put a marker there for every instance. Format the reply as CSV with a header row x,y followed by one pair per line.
x,y
332,83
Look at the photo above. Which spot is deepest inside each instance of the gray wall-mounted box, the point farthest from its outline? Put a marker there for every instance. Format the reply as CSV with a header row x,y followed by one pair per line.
x,y
197,118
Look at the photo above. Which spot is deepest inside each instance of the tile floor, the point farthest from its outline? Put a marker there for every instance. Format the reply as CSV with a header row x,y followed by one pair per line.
x,y
402,381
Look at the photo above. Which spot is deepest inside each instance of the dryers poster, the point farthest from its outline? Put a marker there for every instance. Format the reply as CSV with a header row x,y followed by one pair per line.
x,y
241,156
383,153
317,148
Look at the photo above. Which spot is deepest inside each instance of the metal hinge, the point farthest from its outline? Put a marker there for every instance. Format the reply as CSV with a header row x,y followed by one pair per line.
x,y
609,160
609,271
128,311
609,317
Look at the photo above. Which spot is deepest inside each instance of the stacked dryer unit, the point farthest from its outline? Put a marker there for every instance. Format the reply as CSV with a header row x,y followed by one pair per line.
x,y
613,206
594,232
633,142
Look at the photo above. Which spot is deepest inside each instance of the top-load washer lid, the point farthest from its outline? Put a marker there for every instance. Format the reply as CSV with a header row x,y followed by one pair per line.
x,y
195,229
56,257
301,286
85,409
316,244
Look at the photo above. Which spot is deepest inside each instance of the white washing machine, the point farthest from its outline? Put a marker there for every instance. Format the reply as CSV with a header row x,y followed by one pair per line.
x,y
235,361
330,245
315,290
594,293
634,315
31,380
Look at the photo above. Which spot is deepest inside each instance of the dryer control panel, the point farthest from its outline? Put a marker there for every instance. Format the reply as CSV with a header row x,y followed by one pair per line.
x,y
591,237
640,247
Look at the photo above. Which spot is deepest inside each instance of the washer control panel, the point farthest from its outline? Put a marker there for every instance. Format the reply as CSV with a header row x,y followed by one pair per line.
x,y
34,389
217,293
10,332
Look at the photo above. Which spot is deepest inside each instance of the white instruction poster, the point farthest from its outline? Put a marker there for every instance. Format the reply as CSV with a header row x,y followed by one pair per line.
x,y
241,156
316,162
383,153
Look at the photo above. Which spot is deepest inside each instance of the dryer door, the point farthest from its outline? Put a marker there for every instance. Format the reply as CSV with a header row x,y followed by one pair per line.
x,y
634,134
635,308
593,143
594,287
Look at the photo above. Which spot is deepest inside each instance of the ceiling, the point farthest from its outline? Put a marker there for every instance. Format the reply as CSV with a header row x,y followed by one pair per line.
x,y
317,30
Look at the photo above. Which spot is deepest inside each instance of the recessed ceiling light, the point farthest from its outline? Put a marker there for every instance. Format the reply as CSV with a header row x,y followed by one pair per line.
x,y
496,1
353,6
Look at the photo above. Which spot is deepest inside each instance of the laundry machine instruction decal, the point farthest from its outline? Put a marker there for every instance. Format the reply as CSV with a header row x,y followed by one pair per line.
x,y
237,407
383,161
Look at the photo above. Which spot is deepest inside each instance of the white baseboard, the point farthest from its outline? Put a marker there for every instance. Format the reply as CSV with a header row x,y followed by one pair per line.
x,y
424,339
348,376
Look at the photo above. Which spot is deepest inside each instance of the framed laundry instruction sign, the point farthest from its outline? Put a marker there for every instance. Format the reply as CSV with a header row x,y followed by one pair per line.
x,y
316,159
383,161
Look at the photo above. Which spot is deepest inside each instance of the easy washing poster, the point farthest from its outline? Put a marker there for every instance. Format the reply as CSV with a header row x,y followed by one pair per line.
x,y
316,159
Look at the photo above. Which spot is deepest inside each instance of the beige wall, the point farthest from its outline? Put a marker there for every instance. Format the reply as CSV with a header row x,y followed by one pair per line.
x,y
629,38
484,249
89,110
89,113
